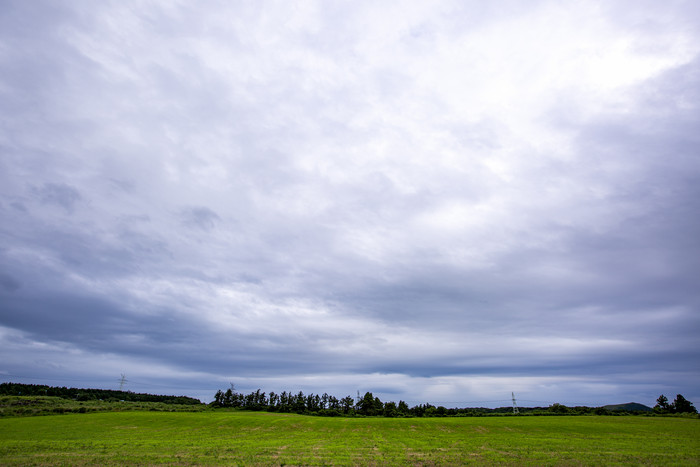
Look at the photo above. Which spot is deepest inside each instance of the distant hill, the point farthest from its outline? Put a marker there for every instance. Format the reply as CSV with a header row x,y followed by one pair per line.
x,y
628,407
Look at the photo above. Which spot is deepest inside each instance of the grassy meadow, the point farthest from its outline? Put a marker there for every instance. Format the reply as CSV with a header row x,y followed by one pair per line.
x,y
28,406
258,438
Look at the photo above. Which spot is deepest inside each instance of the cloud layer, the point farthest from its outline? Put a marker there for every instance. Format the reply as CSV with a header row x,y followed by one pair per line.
x,y
437,202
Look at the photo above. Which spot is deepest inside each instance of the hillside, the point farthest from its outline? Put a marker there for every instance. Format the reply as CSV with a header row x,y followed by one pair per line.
x,y
29,406
628,407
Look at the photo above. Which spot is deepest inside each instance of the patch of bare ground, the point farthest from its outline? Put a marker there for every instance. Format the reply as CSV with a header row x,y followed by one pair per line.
x,y
279,452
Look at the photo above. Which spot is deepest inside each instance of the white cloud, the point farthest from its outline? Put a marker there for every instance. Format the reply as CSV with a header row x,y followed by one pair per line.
x,y
362,178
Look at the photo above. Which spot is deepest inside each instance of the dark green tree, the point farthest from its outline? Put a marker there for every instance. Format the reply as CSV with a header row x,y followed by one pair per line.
x,y
219,398
368,405
300,402
559,408
284,402
661,405
346,403
333,403
228,398
390,409
682,405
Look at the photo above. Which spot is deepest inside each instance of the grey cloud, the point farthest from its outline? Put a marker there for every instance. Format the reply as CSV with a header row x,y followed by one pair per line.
x,y
123,185
18,206
200,217
59,194
358,221
8,283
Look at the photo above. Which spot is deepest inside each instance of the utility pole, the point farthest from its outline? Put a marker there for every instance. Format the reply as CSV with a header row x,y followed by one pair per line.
x,y
122,382
515,407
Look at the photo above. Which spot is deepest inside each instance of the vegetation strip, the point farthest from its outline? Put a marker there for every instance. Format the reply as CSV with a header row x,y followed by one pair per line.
x,y
369,405
17,389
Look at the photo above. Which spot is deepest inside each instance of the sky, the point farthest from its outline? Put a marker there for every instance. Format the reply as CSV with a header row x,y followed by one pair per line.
x,y
439,202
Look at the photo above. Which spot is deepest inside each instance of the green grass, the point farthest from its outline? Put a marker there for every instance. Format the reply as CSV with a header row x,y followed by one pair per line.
x,y
23,406
246,438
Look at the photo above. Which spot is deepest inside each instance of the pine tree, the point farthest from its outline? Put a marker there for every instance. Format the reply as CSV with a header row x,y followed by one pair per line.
x,y
682,405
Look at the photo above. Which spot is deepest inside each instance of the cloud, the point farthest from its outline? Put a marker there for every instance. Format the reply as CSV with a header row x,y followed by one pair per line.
x,y
439,201
8,283
200,217
59,194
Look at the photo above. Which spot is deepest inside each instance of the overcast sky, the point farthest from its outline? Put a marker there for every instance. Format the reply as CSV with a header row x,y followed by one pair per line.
x,y
438,201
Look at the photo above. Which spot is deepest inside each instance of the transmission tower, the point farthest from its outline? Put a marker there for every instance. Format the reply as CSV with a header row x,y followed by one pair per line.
x,y
122,382
515,406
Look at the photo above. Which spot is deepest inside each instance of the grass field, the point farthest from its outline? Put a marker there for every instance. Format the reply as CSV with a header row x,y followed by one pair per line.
x,y
247,438
28,406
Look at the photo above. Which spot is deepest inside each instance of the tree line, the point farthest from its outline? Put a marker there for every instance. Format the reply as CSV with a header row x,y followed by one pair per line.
x,y
16,389
369,405
679,405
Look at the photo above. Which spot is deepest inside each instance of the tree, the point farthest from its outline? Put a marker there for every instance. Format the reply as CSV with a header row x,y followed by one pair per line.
x,y
662,402
284,402
228,398
558,408
346,403
390,409
661,405
368,405
333,403
378,406
274,399
300,402
219,398
682,405
313,402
